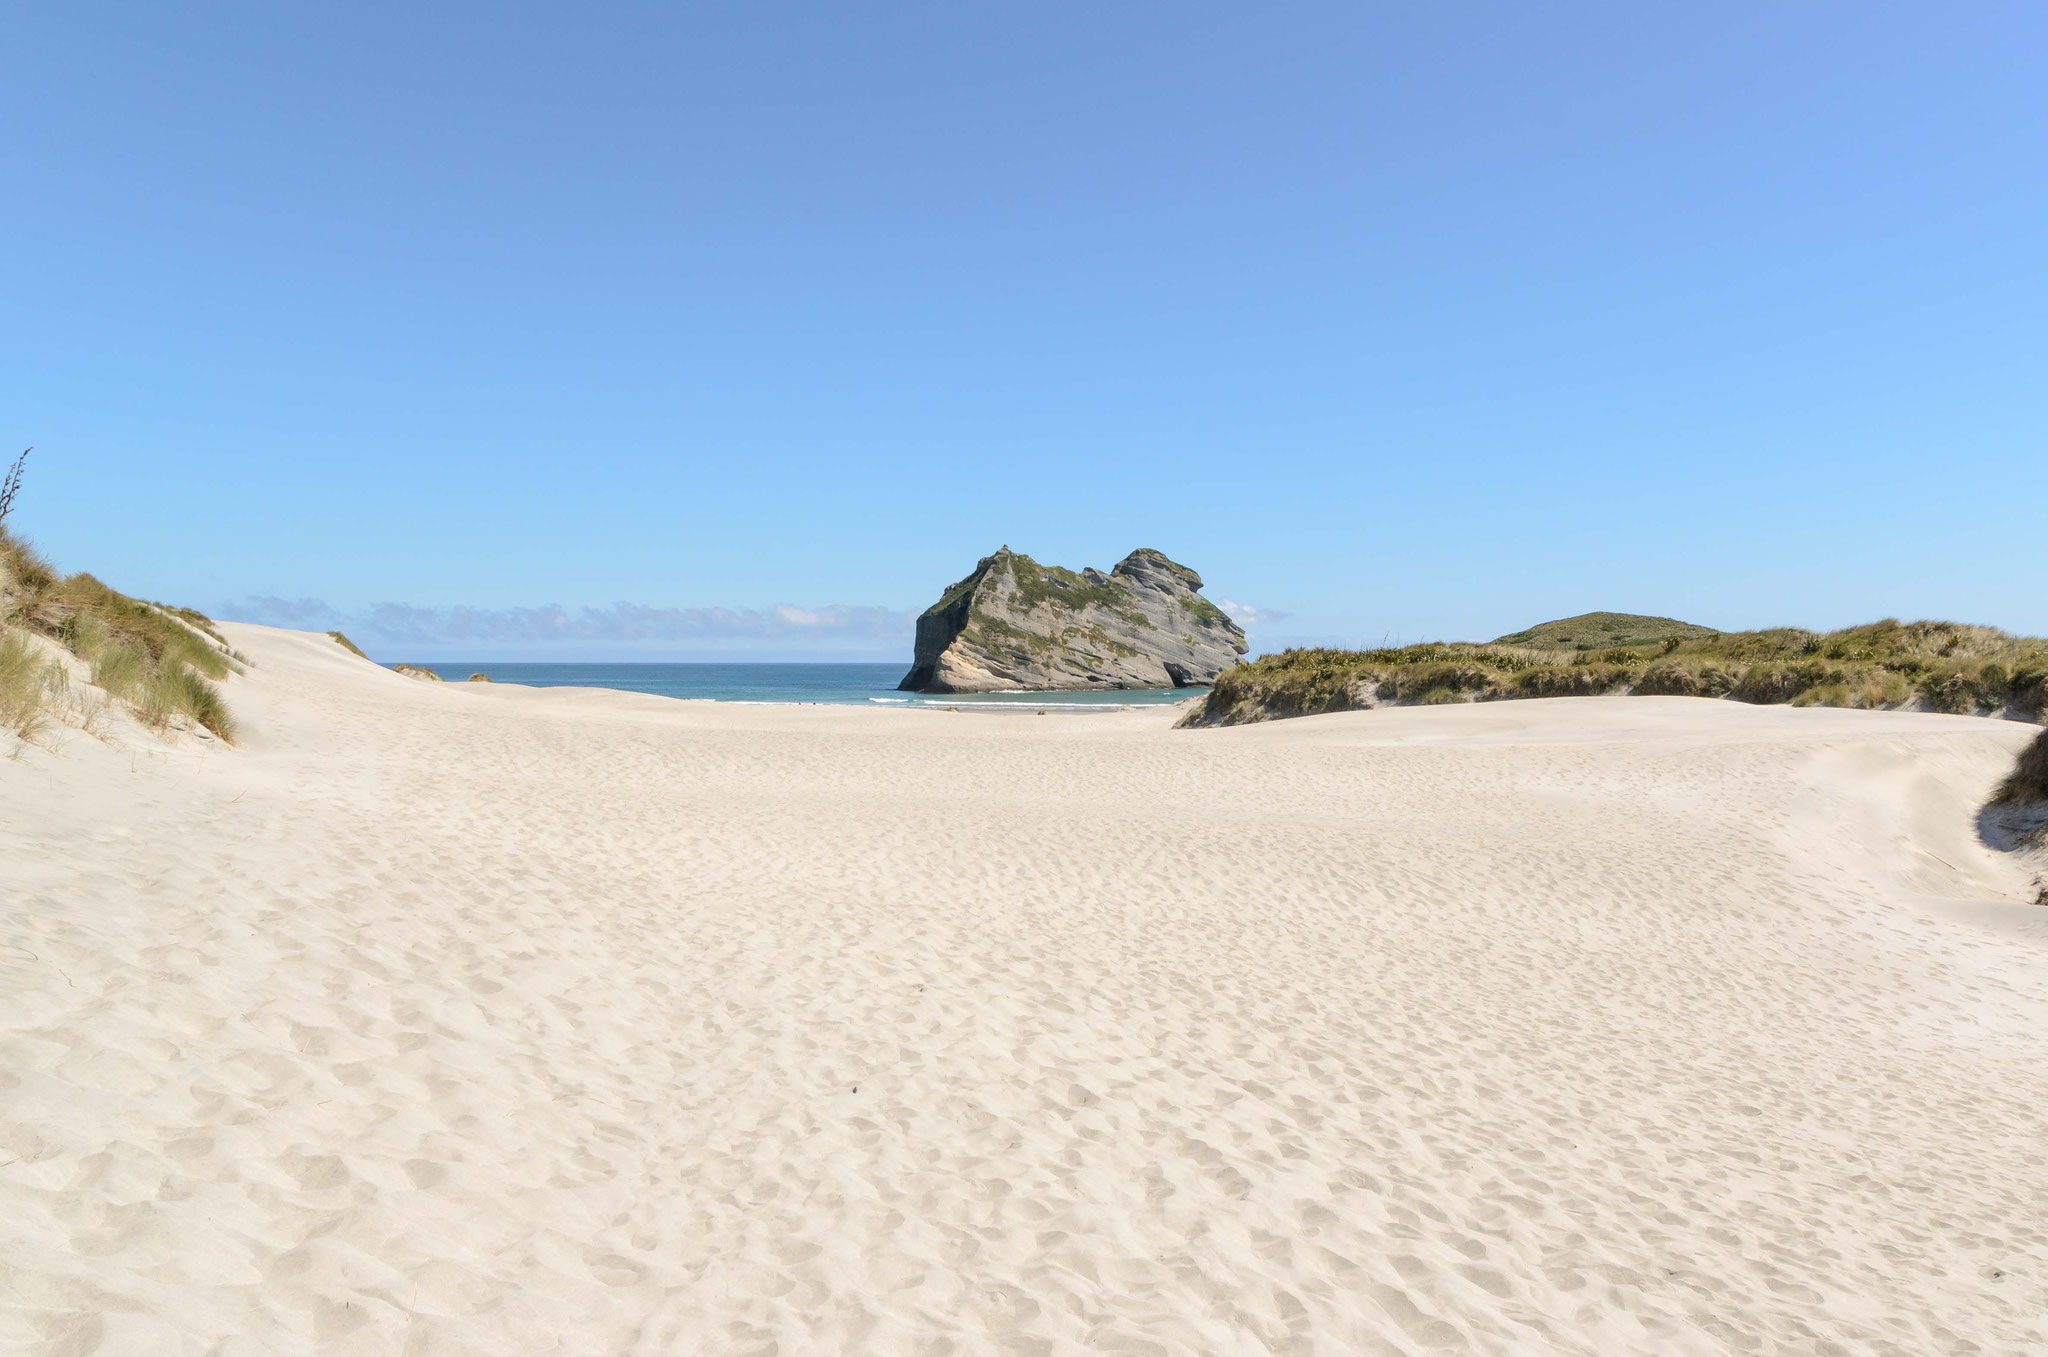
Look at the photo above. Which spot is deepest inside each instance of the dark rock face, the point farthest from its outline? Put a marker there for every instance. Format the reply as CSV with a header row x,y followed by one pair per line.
x,y
1016,624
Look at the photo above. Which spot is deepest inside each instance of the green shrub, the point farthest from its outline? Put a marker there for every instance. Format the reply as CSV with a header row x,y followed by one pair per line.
x,y
2029,779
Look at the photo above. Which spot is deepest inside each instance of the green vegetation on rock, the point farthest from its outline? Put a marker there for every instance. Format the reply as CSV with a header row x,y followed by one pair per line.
x,y
1942,666
1066,590
1016,623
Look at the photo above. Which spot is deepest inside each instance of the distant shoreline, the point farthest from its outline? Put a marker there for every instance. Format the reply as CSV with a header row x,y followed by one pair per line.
x,y
794,683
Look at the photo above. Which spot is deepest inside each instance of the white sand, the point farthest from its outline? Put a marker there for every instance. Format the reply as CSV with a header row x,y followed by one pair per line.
x,y
492,1020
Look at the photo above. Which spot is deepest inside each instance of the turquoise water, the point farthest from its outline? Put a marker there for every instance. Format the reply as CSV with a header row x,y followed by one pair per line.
x,y
842,684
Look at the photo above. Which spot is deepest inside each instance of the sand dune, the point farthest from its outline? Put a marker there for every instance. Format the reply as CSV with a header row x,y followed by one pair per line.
x,y
479,1019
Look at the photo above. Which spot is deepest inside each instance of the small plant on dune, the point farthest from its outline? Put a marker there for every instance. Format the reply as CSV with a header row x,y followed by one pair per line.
x,y
11,486
350,646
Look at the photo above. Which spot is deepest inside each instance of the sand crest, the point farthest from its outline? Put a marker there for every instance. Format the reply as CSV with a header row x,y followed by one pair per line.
x,y
472,1018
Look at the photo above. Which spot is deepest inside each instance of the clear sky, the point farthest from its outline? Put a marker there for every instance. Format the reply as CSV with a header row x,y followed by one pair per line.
x,y
1393,320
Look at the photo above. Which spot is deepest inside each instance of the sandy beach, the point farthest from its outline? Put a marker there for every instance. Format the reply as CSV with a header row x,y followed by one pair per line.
x,y
479,1019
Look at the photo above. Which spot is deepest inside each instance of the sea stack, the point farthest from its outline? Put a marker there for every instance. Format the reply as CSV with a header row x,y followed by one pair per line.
x,y
1016,624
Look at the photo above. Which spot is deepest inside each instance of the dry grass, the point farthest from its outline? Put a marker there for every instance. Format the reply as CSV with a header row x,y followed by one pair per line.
x,y
160,661
350,646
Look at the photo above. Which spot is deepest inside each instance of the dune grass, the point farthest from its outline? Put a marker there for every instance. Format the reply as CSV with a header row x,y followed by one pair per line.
x,y
21,686
1939,666
161,661
350,646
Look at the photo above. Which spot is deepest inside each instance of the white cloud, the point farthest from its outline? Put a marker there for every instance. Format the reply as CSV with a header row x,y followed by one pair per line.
x,y
1245,615
836,626
300,614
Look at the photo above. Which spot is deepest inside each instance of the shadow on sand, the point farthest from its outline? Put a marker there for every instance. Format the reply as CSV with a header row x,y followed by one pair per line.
x,y
2019,827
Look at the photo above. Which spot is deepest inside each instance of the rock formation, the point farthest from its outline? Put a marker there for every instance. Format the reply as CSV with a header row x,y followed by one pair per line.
x,y
1016,624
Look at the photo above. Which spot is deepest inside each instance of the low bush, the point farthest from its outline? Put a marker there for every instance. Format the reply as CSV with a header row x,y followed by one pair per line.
x,y
1687,678
1579,680
1943,666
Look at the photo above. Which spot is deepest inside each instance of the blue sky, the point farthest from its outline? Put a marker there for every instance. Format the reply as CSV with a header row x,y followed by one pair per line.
x,y
739,331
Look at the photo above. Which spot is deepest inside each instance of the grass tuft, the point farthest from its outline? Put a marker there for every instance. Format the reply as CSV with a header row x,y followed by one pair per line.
x,y
119,667
350,646
180,692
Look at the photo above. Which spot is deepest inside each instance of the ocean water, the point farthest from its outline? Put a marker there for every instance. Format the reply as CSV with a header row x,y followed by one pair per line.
x,y
841,684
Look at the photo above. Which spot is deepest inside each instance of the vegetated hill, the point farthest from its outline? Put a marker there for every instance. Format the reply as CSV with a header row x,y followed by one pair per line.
x,y
1594,631
1942,666
72,649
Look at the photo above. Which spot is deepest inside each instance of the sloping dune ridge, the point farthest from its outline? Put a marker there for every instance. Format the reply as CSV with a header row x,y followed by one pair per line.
x,y
478,1019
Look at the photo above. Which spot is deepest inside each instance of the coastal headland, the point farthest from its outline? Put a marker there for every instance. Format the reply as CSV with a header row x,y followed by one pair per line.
x,y
1015,624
